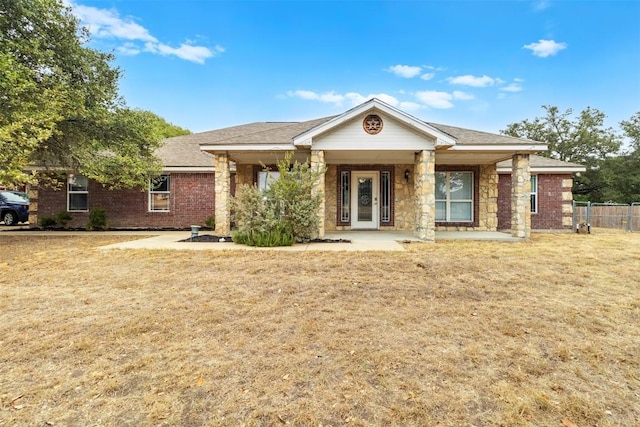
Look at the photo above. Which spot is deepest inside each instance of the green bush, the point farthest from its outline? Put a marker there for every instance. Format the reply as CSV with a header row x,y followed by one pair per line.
x,y
62,218
279,236
210,222
97,219
284,213
48,222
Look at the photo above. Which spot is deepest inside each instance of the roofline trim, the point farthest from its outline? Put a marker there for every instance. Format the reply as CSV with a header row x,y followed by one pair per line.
x,y
188,169
248,147
548,169
516,148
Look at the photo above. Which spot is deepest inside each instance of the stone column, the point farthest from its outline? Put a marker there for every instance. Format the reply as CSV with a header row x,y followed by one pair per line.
x,y
425,198
520,196
318,164
488,203
33,191
223,193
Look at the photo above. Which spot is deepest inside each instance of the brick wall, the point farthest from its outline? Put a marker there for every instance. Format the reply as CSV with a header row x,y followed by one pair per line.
x,y
191,202
554,202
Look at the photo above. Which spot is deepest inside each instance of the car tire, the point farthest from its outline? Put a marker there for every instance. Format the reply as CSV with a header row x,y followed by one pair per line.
x,y
9,218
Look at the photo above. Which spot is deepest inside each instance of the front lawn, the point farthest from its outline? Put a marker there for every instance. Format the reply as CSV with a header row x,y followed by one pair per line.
x,y
452,334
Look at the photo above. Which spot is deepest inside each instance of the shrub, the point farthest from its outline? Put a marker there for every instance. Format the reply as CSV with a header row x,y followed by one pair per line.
x,y
97,219
282,214
210,222
279,236
48,222
62,218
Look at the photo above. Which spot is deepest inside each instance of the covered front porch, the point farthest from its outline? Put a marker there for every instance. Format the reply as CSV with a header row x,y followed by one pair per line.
x,y
416,178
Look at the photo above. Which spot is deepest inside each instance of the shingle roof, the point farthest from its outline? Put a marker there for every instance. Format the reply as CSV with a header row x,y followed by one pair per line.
x,y
185,150
476,137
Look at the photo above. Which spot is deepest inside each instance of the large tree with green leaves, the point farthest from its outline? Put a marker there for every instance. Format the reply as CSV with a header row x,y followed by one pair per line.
x,y
583,139
621,175
59,102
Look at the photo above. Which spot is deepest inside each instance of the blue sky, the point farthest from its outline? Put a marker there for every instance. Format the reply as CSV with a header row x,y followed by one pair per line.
x,y
205,64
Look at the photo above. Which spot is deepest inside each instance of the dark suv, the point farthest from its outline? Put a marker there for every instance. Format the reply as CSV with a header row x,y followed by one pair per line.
x,y
14,208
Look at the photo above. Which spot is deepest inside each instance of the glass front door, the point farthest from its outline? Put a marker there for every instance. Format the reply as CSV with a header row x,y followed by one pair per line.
x,y
364,200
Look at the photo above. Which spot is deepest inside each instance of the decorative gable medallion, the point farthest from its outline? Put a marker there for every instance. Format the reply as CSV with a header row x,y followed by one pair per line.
x,y
372,124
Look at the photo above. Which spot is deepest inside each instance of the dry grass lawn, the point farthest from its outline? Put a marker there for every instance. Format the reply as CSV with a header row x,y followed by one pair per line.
x,y
544,333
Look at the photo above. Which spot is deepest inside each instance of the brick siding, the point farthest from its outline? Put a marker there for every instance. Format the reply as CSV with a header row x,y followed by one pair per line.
x,y
192,200
550,202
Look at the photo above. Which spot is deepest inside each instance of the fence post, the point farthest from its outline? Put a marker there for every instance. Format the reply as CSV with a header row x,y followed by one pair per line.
x,y
588,217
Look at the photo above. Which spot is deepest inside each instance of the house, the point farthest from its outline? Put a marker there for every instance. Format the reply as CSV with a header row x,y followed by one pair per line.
x,y
385,170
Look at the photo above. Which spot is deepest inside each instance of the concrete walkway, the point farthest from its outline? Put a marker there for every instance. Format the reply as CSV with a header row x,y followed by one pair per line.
x,y
170,240
359,240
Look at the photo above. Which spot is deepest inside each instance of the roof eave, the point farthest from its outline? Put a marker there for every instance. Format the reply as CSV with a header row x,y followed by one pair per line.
x,y
548,169
247,147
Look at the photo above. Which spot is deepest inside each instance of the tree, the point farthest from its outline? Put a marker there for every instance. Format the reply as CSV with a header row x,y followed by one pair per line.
x,y
621,174
59,102
583,140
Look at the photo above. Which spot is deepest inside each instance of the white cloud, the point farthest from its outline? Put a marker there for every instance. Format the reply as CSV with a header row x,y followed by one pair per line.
x,y
435,99
351,98
540,5
462,96
108,24
185,51
406,71
410,106
544,48
469,80
427,76
105,23
513,87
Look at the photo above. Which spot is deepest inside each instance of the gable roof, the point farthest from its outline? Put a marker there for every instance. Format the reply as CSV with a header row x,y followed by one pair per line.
x,y
443,139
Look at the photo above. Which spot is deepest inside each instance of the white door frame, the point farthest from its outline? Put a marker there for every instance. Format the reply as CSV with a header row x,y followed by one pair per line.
x,y
373,203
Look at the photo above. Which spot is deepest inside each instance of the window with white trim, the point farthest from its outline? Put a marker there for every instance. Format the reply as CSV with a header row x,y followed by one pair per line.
x,y
454,196
534,193
77,193
159,192
265,178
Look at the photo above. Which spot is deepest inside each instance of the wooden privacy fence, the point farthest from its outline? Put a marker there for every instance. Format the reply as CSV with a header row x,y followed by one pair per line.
x,y
606,215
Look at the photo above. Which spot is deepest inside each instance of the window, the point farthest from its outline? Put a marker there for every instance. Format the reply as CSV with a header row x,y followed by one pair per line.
x,y
77,193
159,191
454,196
345,177
265,178
534,193
385,197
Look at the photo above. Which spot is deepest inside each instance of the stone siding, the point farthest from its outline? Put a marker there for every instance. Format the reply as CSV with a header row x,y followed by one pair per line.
x,y
425,199
222,193
520,196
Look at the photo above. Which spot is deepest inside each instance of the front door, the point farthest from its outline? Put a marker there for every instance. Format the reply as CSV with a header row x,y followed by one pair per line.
x,y
364,200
